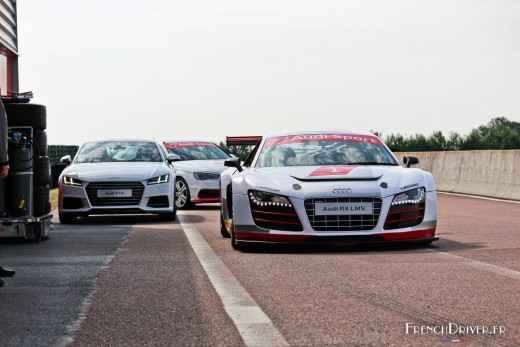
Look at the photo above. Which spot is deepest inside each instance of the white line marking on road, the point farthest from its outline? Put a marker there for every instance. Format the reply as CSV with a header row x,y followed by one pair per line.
x,y
479,197
482,266
254,325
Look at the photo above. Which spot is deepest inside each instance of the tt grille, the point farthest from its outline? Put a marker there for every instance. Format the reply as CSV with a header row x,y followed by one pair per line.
x,y
343,222
136,187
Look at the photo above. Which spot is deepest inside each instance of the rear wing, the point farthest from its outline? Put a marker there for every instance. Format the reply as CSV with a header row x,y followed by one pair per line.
x,y
242,140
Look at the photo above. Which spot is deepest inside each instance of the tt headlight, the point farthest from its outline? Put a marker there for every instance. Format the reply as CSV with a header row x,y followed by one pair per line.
x,y
159,179
268,199
414,196
203,176
71,181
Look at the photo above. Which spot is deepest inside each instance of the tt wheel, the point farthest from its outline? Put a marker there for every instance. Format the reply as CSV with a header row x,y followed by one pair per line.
x,y
182,195
67,218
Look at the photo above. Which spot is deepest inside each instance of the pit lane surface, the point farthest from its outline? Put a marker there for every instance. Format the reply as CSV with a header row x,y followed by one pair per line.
x,y
134,281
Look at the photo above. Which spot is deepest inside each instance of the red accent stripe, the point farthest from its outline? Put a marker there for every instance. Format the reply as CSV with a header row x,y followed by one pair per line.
x,y
195,201
278,213
403,219
409,235
404,211
275,221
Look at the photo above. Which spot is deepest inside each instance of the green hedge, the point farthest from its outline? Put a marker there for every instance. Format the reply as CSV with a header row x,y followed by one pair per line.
x,y
56,152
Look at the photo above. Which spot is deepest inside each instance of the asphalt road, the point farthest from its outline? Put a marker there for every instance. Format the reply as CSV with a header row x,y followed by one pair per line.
x,y
136,281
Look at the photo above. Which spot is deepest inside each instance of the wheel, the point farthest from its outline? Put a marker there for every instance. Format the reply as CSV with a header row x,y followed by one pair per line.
x,y
32,115
66,218
41,201
168,217
42,171
182,194
234,244
223,229
40,140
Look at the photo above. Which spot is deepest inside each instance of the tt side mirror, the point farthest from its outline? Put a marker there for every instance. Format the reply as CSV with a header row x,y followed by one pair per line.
x,y
66,160
173,158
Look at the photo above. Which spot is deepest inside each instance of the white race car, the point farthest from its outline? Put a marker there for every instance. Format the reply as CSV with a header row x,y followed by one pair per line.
x,y
339,187
197,172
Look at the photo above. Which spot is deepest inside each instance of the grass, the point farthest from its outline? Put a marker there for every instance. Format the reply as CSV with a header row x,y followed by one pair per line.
x,y
54,198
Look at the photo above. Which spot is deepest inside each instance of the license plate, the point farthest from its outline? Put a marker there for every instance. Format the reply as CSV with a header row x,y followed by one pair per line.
x,y
114,193
342,208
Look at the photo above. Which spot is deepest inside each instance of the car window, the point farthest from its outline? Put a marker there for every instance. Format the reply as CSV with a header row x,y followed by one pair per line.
x,y
118,151
324,149
196,150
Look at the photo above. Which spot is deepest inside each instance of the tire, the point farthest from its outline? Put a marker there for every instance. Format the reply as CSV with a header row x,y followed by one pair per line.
x,y
182,195
32,115
66,218
168,217
41,171
40,140
234,244
41,201
223,229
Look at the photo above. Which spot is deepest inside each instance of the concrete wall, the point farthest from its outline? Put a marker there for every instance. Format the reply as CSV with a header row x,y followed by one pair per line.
x,y
485,173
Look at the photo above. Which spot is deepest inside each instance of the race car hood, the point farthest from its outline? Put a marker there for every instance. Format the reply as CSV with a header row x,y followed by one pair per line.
x,y
95,172
336,181
200,165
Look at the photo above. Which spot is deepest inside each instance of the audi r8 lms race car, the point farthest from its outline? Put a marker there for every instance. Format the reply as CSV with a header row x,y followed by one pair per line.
x,y
117,176
337,187
197,172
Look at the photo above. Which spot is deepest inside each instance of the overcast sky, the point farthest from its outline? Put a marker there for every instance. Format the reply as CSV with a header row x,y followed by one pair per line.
x,y
207,69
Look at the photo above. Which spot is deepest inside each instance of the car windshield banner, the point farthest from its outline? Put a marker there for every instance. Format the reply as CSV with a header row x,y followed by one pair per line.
x,y
276,141
189,144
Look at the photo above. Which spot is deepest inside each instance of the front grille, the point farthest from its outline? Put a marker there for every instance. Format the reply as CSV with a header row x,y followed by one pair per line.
x,y
136,187
343,222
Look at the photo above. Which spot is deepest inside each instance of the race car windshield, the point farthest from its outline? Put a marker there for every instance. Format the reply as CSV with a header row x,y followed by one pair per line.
x,y
197,150
324,149
118,151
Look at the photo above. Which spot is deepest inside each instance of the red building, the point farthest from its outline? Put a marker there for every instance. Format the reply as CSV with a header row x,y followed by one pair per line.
x,y
8,48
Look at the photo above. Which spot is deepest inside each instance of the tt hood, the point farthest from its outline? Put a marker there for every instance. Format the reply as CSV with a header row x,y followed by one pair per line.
x,y
116,171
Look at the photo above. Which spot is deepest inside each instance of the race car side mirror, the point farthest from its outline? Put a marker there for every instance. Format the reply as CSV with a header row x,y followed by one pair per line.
x,y
66,160
234,162
410,160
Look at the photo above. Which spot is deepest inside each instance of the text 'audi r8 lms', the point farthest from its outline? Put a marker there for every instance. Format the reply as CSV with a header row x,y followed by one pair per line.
x,y
339,187
197,171
117,176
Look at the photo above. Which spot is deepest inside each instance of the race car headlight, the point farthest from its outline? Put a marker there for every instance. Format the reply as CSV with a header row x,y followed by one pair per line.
x,y
206,176
414,196
268,199
159,179
71,181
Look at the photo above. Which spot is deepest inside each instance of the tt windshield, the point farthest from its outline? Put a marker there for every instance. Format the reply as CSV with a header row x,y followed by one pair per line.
x,y
118,151
324,149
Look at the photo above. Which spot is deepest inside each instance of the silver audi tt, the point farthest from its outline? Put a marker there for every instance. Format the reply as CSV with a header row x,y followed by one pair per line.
x,y
117,176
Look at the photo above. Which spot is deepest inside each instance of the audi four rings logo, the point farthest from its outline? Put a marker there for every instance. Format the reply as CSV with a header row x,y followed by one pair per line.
x,y
113,178
341,191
